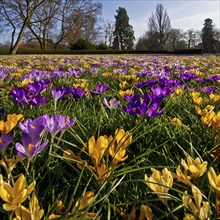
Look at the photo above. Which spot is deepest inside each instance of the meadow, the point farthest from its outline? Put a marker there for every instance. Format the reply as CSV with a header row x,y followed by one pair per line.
x,y
129,137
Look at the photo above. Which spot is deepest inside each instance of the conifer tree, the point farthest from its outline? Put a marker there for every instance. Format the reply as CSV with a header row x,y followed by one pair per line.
x,y
208,36
123,33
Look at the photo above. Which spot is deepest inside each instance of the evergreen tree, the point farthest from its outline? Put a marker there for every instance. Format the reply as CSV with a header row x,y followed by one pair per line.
x,y
208,36
123,33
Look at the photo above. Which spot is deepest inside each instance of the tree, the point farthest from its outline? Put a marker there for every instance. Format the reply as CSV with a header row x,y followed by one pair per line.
x,y
208,36
175,40
42,22
123,33
217,40
16,14
159,27
190,37
108,30
76,18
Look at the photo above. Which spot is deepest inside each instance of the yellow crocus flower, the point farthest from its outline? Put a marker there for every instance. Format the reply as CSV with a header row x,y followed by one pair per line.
x,y
102,172
97,149
196,167
24,83
127,92
160,182
123,84
215,121
84,201
179,92
182,176
214,180
145,213
189,217
198,207
215,98
207,119
12,120
14,196
118,145
34,211
197,99
9,163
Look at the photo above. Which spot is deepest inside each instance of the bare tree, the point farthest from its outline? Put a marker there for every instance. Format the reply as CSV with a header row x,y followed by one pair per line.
x,y
42,22
217,40
17,14
159,26
176,40
192,38
108,30
71,17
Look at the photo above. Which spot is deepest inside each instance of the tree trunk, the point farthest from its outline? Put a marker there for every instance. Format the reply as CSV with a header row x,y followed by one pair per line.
x,y
15,47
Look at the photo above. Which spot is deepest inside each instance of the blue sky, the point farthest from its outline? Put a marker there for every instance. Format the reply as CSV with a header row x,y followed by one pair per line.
x,y
188,14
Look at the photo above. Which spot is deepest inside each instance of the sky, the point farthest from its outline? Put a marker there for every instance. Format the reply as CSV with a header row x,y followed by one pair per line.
x,y
183,14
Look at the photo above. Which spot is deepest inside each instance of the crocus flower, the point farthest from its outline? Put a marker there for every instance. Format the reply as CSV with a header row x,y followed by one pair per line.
x,y
30,147
37,87
5,140
196,167
113,103
97,148
12,120
153,110
76,93
118,145
215,98
161,91
214,180
14,196
84,201
197,99
57,94
99,88
57,123
160,182
198,207
38,100
10,163
20,96
34,211
34,127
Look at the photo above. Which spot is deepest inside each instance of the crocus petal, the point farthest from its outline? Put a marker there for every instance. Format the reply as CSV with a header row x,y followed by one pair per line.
x,y
19,185
20,149
84,201
21,197
6,192
10,207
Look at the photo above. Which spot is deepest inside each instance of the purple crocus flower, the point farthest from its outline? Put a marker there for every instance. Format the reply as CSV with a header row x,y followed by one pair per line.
x,y
160,92
38,100
36,87
34,127
76,93
99,88
20,96
30,147
113,103
154,111
57,123
57,94
5,140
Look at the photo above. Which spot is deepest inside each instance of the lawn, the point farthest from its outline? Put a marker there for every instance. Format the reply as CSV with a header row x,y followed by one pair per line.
x,y
109,137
